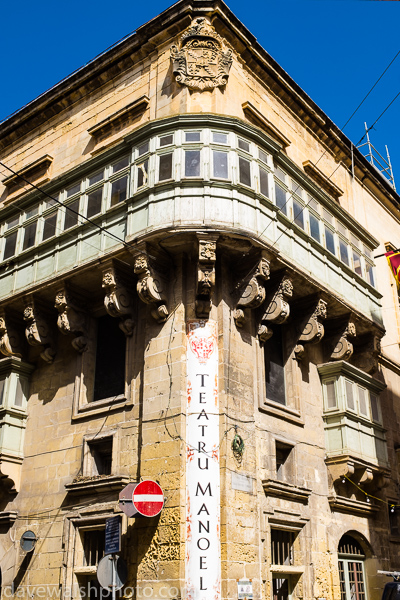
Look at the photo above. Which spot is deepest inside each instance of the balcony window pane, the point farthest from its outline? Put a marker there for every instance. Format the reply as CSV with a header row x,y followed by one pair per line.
x,y
357,262
142,173
192,136
121,164
12,223
192,163
314,228
244,145
367,251
220,138
362,401
342,229
298,214
279,173
96,178
329,240
264,187
330,394
32,212
327,216
165,166
374,407
94,202
349,395
344,253
19,394
354,240
297,189
263,156
313,204
143,148
10,244
30,236
280,198
166,140
244,171
71,216
49,228
370,273
220,164
75,189
119,190
2,384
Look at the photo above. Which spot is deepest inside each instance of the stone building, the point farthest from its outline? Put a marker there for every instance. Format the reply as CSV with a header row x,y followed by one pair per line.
x,y
188,294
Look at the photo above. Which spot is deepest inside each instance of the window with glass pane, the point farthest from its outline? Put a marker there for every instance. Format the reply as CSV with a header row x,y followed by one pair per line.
x,y
330,394
280,198
192,136
71,214
142,173
297,189
357,262
370,273
344,252
349,395
314,228
12,223
121,164
263,156
354,240
244,171
165,167
75,189
298,214
49,227
275,368
2,386
19,394
264,187
96,178
29,235
32,212
143,148
243,145
166,140
94,202
279,173
329,240
220,138
10,244
192,163
119,190
342,229
362,401
374,407
220,164
327,216
313,204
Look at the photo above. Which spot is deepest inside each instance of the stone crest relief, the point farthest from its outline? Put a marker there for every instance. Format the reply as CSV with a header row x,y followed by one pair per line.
x,y
201,64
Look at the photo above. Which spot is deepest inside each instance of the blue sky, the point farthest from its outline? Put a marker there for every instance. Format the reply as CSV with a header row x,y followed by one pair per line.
x,y
334,49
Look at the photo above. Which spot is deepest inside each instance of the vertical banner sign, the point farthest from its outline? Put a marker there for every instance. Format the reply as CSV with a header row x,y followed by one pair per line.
x,y
203,549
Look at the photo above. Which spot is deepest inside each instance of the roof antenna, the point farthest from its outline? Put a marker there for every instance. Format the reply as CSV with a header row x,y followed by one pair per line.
x,y
381,164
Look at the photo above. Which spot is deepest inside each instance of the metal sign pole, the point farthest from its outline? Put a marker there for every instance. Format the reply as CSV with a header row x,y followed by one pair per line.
x,y
114,566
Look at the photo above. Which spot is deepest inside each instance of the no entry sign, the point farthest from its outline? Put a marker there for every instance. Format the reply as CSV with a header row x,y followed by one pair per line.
x,y
148,498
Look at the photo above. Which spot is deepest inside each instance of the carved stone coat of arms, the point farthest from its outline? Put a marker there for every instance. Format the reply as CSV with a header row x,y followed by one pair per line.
x,y
201,63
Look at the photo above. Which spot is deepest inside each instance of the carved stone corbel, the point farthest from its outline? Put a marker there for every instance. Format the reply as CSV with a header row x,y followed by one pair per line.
x,y
344,349
11,343
38,331
72,318
277,310
313,331
205,275
150,288
253,291
118,298
367,354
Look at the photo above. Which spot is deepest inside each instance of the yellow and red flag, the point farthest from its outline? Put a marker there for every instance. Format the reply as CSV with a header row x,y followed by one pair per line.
x,y
393,259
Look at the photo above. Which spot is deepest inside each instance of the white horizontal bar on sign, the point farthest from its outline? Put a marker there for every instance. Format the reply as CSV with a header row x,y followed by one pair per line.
x,y
148,498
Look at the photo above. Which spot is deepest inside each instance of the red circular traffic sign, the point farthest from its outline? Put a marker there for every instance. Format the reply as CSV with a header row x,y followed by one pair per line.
x,y
148,498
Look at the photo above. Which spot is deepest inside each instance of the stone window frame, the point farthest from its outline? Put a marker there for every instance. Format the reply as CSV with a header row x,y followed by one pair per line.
x,y
87,457
82,406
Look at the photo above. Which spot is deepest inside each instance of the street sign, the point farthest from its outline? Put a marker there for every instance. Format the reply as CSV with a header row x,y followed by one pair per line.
x,y
113,535
126,500
112,573
148,498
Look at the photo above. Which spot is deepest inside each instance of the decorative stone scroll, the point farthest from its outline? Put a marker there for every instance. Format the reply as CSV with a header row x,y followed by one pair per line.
x,y
150,288
11,343
118,298
201,64
277,310
72,318
367,354
344,349
205,275
253,291
38,331
313,331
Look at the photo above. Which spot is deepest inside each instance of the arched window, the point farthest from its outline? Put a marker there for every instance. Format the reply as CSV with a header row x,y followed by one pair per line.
x,y
351,569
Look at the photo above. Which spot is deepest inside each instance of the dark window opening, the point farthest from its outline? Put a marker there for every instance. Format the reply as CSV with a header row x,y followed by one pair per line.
x,y
101,453
110,359
283,461
93,547
275,367
282,547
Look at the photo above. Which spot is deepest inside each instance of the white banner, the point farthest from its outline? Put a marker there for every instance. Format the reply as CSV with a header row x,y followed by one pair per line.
x,y
203,548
